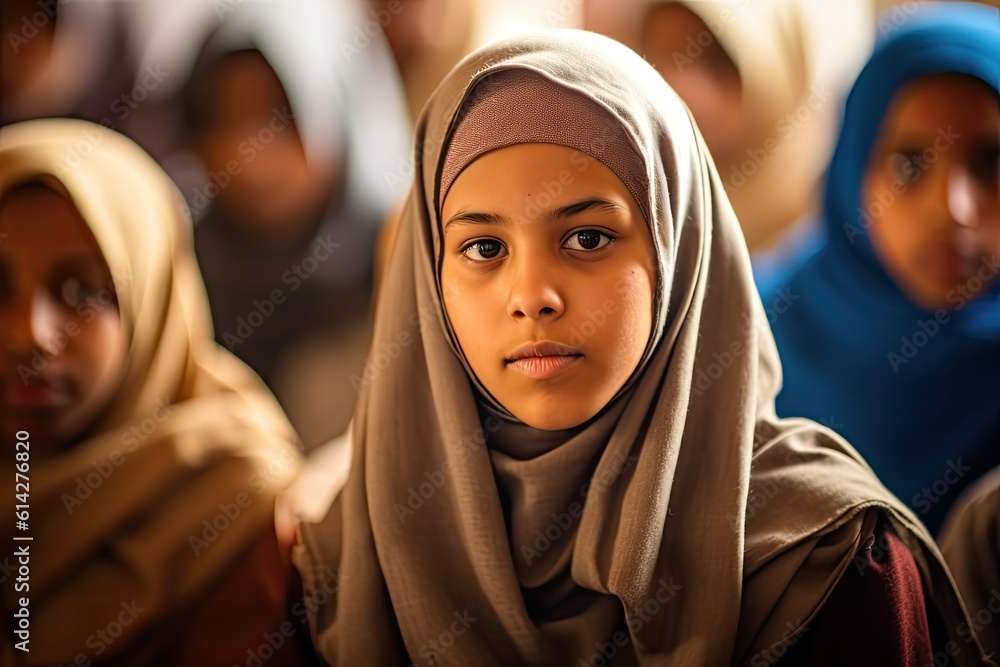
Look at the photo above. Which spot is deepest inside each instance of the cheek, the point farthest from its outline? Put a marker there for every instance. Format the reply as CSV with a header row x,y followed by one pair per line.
x,y
632,320
988,223
100,351
218,150
991,232
893,223
471,309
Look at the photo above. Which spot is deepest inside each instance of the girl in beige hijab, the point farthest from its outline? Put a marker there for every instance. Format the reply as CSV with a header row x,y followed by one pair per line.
x,y
150,457
764,80
565,450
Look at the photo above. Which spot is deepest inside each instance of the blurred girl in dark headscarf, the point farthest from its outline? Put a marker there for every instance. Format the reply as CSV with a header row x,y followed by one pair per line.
x,y
296,117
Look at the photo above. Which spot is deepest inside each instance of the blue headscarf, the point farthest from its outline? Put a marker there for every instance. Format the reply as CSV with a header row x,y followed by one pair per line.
x,y
916,391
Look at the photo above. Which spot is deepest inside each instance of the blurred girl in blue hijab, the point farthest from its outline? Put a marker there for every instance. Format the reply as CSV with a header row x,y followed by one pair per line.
x,y
889,328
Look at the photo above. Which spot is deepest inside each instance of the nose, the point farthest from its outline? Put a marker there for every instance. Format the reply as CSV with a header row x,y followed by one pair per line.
x,y
962,197
33,324
534,293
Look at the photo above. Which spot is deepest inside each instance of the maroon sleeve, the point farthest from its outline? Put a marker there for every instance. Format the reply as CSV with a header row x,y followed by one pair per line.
x,y
876,614
244,620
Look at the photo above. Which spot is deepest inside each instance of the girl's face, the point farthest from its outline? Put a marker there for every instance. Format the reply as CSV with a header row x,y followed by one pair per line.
x,y
548,277
250,134
930,192
62,347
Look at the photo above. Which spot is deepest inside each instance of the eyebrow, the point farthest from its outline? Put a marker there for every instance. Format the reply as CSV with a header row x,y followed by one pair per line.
x,y
83,263
591,204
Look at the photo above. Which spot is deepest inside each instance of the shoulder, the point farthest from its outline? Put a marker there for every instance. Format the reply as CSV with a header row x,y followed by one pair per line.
x,y
875,614
970,543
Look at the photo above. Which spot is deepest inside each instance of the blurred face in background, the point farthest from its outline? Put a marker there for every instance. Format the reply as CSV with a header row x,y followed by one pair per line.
x,y
931,190
62,346
21,56
687,54
247,129
415,29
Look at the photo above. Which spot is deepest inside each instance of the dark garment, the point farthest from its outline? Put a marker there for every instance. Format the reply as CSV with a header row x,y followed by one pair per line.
x,y
875,616
266,300
255,615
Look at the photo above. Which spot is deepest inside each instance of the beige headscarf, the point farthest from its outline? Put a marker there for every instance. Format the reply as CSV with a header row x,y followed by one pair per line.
x,y
795,59
206,429
703,528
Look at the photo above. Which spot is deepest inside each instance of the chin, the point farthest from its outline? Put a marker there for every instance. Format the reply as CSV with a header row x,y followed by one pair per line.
x,y
547,417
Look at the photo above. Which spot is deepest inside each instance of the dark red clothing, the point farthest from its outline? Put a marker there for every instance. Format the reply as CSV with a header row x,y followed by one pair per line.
x,y
876,615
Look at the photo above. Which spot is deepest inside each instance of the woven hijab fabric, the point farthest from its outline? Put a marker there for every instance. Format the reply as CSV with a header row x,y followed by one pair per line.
x,y
519,107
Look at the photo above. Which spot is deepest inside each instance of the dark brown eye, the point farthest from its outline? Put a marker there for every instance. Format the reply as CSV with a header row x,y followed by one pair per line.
x,y
588,239
985,165
72,292
906,166
484,250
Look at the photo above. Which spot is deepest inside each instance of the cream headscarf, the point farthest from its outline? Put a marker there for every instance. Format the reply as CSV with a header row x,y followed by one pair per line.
x,y
218,432
795,59
706,528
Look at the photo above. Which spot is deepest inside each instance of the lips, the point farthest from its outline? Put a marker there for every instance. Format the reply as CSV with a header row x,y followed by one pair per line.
x,y
36,393
948,261
543,359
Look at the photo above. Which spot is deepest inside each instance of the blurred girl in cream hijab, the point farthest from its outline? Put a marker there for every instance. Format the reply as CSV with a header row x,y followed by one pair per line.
x,y
153,456
764,80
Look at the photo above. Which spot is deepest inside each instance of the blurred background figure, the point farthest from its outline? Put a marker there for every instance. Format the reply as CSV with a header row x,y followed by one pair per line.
x,y
285,126
155,458
764,80
429,37
63,59
970,543
889,328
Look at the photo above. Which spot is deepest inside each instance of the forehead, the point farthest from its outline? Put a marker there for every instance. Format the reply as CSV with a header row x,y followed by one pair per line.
x,y
936,102
44,225
675,19
542,171
241,77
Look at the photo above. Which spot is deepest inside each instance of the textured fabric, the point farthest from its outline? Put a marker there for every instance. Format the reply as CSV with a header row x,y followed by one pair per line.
x,y
875,616
910,388
218,431
686,524
795,59
970,542
520,107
